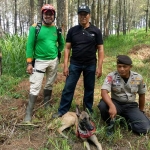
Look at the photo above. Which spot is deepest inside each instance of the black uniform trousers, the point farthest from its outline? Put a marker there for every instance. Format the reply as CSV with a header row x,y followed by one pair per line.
x,y
135,118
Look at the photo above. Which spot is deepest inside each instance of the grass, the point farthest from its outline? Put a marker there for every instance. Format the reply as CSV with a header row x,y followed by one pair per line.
x,y
13,51
13,63
14,66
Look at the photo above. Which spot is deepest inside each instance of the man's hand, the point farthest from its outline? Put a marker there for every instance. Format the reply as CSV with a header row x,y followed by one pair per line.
x,y
66,71
141,101
98,73
29,69
112,111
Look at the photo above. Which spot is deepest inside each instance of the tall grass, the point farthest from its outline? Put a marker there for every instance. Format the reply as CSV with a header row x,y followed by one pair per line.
x,y
13,63
13,51
122,44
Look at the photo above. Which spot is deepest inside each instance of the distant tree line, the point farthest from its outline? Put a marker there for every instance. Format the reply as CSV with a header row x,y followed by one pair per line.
x,y
111,16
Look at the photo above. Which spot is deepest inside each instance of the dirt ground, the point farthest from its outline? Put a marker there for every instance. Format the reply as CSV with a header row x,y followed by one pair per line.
x,y
13,137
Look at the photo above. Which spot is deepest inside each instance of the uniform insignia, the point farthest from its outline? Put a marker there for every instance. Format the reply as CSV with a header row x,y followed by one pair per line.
x,y
137,78
117,81
109,79
131,82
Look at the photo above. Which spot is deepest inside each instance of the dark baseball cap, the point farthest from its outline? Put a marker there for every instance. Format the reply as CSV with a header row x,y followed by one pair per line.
x,y
83,8
124,59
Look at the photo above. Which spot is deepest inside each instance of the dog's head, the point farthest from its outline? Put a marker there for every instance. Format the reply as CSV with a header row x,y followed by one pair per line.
x,y
84,122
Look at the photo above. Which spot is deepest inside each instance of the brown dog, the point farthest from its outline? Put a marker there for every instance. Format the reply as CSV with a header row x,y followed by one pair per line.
x,y
84,128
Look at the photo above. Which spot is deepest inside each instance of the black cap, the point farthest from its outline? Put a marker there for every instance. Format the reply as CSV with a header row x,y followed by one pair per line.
x,y
124,59
83,8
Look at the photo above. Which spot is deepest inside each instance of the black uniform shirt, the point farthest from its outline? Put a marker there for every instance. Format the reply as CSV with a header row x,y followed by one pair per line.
x,y
84,44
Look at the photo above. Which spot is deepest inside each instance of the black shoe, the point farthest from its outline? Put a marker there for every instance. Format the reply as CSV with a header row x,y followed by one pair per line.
x,y
57,115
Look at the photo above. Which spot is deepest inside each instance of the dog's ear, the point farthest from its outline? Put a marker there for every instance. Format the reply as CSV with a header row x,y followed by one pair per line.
x,y
77,111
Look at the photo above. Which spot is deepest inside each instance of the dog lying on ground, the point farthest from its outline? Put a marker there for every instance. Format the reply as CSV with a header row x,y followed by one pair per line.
x,y
84,128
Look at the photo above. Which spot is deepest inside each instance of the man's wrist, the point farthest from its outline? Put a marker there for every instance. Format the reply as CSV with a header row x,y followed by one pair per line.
x,y
29,63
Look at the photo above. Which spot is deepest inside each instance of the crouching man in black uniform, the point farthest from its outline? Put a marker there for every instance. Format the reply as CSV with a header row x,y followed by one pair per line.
x,y
124,84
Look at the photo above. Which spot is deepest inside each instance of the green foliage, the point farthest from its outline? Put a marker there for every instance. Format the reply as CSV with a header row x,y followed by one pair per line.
x,y
115,45
13,63
59,144
13,53
8,83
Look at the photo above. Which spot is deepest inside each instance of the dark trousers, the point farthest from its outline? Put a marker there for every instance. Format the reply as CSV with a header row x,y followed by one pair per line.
x,y
136,119
71,81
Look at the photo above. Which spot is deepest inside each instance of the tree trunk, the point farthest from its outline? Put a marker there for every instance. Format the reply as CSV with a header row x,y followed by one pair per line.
x,y
39,6
130,11
93,12
124,18
20,22
107,20
147,12
15,17
31,12
6,17
101,16
70,17
98,14
119,19
62,14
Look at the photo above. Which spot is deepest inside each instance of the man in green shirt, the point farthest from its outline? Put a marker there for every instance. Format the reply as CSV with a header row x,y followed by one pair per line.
x,y
44,49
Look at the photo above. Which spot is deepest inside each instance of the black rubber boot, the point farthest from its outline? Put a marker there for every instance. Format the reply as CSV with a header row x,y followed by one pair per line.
x,y
29,109
47,97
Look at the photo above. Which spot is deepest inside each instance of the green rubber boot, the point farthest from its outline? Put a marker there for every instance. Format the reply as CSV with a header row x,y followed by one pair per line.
x,y
29,109
47,96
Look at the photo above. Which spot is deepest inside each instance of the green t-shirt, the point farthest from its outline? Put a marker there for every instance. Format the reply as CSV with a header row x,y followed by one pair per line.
x,y
46,45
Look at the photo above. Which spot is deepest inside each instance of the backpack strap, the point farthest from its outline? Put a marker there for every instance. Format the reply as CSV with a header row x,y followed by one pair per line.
x,y
59,31
37,29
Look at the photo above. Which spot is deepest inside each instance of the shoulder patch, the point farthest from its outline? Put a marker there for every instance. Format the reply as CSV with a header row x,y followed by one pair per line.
x,y
135,73
109,79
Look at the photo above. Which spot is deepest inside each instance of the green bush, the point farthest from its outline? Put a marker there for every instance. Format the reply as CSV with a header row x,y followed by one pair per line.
x,y
13,55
